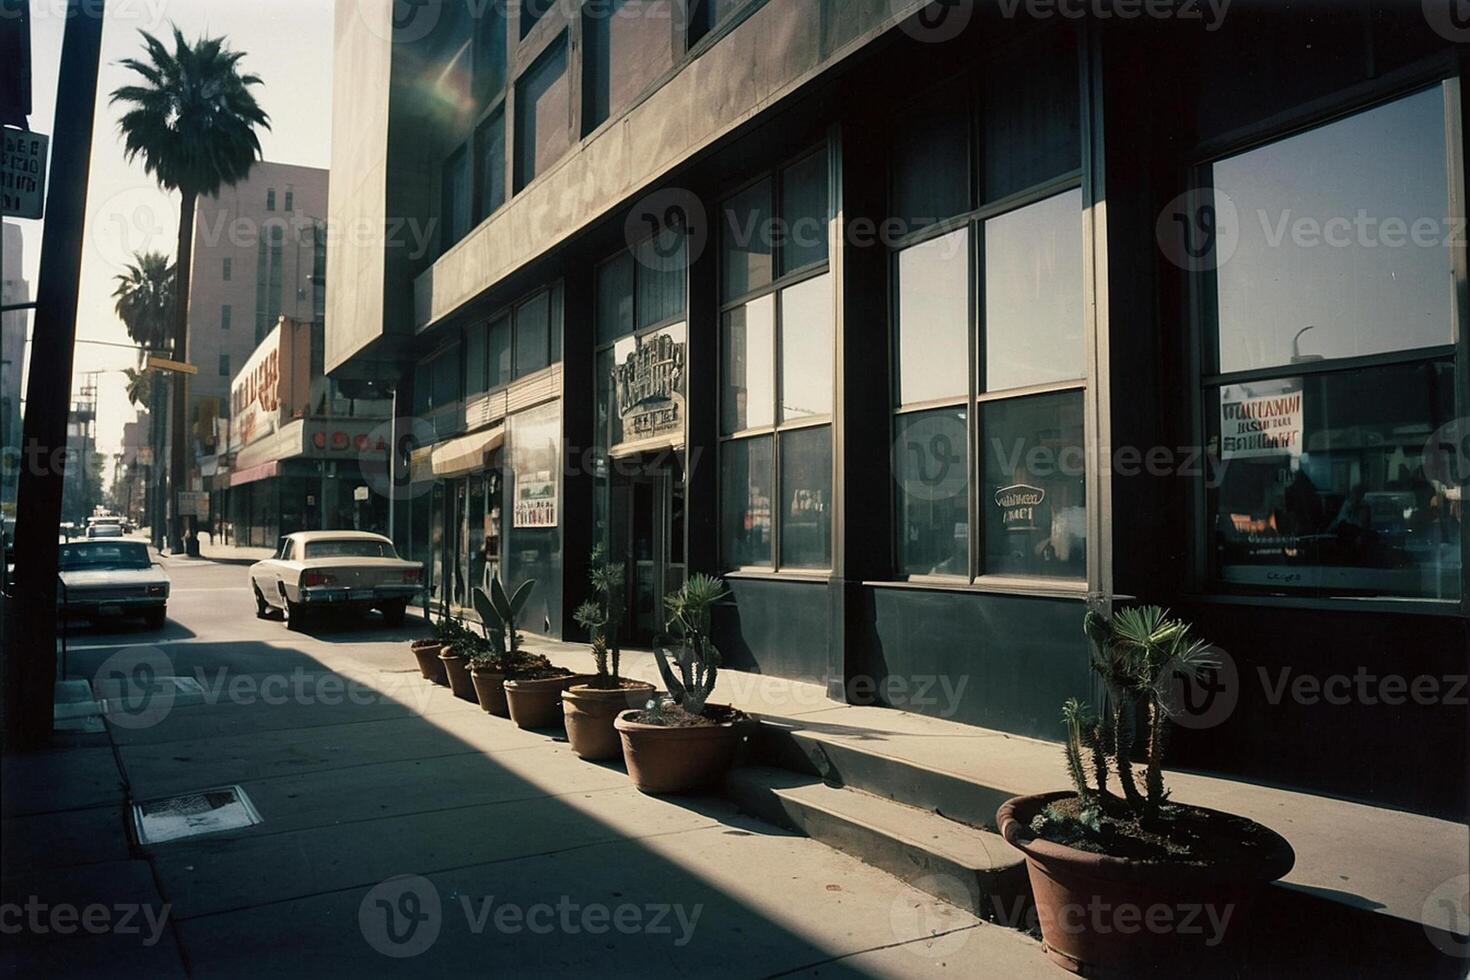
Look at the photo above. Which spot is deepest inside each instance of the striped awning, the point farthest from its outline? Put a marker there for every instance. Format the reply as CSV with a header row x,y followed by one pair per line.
x,y
465,454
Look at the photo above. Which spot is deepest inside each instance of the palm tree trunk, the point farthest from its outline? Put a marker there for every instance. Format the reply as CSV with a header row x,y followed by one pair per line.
x,y
179,455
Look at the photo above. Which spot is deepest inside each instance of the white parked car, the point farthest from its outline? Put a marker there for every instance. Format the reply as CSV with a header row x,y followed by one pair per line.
x,y
313,570
110,578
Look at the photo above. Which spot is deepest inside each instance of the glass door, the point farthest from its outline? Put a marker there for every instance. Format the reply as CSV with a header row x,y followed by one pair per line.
x,y
646,507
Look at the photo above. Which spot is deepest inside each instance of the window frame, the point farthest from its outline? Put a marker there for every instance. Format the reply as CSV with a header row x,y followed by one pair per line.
x,y
1091,385
779,283
1203,371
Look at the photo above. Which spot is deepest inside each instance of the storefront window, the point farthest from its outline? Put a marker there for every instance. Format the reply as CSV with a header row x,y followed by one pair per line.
x,y
745,468
933,492
1320,481
499,371
1033,500
934,319
748,358
615,298
533,334
988,461
1344,244
778,361
1033,294
475,359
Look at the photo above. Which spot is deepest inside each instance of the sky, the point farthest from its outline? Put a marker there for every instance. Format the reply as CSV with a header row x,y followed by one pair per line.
x,y
287,42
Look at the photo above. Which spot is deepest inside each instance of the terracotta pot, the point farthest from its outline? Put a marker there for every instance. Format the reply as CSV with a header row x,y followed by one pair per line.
x,y
537,703
590,712
1105,916
429,663
677,760
490,690
458,669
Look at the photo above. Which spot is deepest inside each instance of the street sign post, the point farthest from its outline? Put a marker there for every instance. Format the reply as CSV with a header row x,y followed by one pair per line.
x,y
178,367
23,173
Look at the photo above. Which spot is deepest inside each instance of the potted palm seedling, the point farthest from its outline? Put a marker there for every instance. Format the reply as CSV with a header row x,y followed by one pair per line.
x,y
532,685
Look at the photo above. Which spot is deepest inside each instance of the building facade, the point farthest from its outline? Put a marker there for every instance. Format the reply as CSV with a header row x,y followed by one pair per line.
x,y
928,330
298,448
259,254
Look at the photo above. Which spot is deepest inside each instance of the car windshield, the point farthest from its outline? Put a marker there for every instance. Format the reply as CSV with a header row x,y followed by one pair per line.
x,y
118,554
349,548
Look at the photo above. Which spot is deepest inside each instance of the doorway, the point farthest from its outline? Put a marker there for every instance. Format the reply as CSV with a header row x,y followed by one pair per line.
x,y
647,530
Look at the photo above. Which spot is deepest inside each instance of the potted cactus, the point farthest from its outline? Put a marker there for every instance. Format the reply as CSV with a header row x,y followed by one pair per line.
x,y
532,686
458,641
680,741
591,708
427,650
488,660
1136,849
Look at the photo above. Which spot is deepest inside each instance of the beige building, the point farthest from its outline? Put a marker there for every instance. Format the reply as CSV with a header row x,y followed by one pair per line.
x,y
259,254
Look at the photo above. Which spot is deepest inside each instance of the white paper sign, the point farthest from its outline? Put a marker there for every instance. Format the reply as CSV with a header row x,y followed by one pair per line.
x,y
1269,425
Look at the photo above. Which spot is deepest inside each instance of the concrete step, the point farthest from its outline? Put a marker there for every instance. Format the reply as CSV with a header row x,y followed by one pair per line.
x,y
973,869
861,767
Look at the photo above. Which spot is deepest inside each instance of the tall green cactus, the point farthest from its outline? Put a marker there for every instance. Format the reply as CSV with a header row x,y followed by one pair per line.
x,y
602,617
693,653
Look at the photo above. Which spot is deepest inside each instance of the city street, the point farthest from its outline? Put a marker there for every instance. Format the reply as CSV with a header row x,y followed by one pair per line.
x,y
532,862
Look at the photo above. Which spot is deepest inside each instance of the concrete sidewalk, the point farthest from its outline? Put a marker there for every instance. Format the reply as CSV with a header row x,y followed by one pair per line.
x,y
1367,857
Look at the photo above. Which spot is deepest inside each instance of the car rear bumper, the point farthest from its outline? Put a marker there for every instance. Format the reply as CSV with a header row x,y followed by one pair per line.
x,y
101,608
326,595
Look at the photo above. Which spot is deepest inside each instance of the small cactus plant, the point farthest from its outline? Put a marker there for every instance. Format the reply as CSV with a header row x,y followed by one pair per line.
x,y
693,653
498,611
602,617
1136,654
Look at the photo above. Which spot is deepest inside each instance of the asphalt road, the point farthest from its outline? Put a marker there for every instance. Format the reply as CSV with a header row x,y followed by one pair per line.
x,y
402,830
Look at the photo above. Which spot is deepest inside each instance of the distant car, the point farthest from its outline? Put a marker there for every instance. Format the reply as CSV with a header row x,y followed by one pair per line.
x,y
103,579
105,531
313,570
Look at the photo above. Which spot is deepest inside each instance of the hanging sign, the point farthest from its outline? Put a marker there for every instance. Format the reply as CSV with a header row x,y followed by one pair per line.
x,y
23,173
1253,427
649,389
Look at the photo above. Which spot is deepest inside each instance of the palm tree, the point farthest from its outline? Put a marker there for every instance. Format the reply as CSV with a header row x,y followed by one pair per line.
x,y
193,121
145,302
145,298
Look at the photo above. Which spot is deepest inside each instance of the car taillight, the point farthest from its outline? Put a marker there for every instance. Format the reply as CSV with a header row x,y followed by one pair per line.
x,y
156,590
413,574
317,578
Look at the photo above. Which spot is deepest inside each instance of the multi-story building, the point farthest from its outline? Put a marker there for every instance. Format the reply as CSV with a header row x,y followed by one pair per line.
x,y
13,289
136,466
931,327
259,254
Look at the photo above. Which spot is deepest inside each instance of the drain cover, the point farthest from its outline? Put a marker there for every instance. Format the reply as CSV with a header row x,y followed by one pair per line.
x,y
194,814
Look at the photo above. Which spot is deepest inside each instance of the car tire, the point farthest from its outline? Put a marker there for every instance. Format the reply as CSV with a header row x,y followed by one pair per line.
x,y
296,616
155,618
262,608
393,613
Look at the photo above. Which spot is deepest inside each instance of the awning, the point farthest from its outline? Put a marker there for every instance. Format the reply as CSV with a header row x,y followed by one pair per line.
x,y
465,454
250,474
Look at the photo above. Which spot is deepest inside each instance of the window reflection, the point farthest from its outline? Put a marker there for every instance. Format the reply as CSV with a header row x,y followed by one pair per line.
x,y
1034,501
745,496
933,492
807,346
749,399
1033,294
1342,229
934,319
806,489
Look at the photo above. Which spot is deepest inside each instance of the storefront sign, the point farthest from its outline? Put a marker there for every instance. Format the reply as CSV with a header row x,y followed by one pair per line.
x,y
23,174
536,502
649,389
1253,427
1019,506
193,503
255,394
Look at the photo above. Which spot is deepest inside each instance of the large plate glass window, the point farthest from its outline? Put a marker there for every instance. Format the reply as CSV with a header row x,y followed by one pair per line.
x,y
1330,326
777,363
990,324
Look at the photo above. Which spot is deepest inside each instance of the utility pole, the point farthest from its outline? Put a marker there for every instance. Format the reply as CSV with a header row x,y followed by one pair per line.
x,y
30,654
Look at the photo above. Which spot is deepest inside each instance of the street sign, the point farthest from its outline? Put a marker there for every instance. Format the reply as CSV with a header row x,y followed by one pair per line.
x,y
164,364
193,503
23,173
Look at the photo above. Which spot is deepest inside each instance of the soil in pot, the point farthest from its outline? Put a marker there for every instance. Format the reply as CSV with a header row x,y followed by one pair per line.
x,y
430,666
673,751
590,712
535,700
458,670
1170,898
490,690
